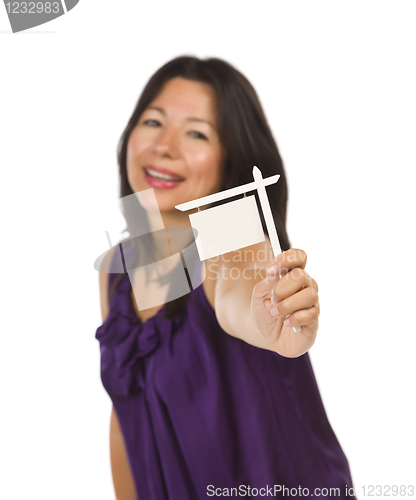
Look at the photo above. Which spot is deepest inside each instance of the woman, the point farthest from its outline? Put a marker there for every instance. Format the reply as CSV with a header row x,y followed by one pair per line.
x,y
216,396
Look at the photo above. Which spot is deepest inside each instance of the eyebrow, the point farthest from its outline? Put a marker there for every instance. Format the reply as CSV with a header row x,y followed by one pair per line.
x,y
189,119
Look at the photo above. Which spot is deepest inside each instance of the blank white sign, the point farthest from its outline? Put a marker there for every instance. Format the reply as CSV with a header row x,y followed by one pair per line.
x,y
227,227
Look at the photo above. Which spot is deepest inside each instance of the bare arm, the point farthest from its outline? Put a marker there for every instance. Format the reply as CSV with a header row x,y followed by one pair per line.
x,y
238,272
262,308
122,477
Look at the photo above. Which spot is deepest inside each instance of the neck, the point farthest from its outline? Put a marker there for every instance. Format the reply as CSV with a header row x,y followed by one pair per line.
x,y
169,219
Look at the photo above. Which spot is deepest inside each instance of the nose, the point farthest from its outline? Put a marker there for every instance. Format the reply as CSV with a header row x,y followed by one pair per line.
x,y
167,143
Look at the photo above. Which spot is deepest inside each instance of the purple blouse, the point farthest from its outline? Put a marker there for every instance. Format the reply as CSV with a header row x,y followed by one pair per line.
x,y
202,411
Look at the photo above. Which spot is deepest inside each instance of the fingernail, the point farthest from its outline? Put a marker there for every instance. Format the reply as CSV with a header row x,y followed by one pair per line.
x,y
274,312
274,301
287,322
273,271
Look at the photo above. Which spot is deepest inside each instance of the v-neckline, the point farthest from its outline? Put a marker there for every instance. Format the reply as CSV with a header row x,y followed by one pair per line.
x,y
133,310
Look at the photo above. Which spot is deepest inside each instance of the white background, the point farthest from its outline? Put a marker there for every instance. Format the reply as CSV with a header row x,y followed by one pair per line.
x,y
337,81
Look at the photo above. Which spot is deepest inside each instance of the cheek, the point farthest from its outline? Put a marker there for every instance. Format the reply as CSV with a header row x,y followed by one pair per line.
x,y
131,151
136,145
203,163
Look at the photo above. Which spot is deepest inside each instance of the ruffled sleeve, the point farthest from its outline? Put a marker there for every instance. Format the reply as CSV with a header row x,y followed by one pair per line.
x,y
123,344
126,343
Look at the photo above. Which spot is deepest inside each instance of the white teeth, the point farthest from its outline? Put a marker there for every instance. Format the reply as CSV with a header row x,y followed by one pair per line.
x,y
159,175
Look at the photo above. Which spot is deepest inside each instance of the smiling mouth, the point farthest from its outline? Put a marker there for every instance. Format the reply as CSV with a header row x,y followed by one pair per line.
x,y
162,177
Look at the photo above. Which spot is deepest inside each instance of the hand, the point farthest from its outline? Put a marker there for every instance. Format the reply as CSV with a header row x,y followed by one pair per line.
x,y
295,303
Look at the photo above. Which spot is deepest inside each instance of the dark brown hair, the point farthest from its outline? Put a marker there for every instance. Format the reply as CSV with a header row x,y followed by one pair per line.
x,y
243,131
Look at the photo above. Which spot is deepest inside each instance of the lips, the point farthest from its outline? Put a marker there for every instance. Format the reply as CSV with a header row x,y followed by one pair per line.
x,y
162,174
161,178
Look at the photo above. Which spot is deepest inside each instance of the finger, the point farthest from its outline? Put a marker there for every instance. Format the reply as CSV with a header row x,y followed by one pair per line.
x,y
304,299
287,260
305,317
291,283
263,289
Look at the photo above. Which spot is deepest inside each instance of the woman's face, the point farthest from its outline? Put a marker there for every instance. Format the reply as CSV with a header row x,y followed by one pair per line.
x,y
177,136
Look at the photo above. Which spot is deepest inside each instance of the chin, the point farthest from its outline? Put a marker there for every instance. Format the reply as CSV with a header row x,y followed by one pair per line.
x,y
166,205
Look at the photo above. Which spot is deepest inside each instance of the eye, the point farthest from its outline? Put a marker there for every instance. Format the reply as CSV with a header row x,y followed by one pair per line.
x,y
151,123
198,135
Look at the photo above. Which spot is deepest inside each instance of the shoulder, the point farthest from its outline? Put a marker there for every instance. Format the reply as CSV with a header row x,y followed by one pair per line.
x,y
253,257
224,271
103,277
